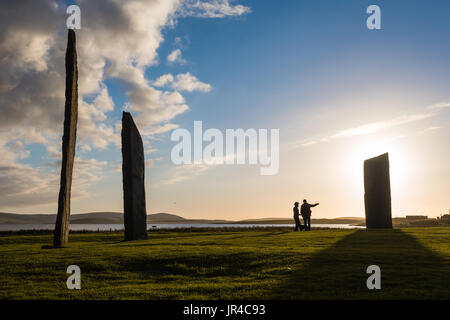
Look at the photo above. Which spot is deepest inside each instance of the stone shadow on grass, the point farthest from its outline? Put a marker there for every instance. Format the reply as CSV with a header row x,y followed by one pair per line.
x,y
408,270
211,265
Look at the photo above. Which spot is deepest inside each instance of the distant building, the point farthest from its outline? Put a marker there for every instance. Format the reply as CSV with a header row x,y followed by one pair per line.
x,y
446,217
416,217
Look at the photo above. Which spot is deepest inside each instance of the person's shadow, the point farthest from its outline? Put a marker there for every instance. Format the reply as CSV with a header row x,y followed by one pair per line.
x,y
408,270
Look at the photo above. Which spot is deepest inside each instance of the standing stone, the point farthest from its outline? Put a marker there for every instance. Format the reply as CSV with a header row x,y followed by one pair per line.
x,y
377,196
61,234
133,174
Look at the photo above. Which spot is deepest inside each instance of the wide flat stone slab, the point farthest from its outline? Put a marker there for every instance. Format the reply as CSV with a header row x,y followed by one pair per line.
x,y
377,192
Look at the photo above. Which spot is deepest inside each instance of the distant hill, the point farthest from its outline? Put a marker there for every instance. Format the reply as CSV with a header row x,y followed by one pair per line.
x,y
168,218
172,218
96,218
156,218
83,218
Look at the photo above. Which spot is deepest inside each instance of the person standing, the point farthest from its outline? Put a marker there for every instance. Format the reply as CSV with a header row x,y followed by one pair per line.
x,y
306,213
297,218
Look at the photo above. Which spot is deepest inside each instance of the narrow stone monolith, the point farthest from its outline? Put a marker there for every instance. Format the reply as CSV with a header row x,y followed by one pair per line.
x,y
377,196
61,233
133,174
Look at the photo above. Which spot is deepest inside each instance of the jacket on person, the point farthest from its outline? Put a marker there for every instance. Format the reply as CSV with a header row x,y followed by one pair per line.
x,y
306,209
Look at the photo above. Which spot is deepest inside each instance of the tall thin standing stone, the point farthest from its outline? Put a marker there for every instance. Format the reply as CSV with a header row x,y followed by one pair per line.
x,y
133,174
377,196
61,233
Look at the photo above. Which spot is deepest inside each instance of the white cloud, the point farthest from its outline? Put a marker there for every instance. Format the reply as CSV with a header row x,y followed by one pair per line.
x,y
430,129
176,57
27,52
440,105
153,106
185,172
188,82
182,82
370,128
19,149
158,129
149,163
118,39
376,126
150,150
23,185
308,143
163,80
213,9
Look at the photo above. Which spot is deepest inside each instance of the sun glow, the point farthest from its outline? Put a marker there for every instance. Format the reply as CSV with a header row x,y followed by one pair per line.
x,y
370,148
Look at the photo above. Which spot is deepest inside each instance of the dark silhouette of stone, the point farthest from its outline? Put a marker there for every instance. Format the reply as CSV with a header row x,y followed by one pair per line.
x,y
133,173
61,233
377,196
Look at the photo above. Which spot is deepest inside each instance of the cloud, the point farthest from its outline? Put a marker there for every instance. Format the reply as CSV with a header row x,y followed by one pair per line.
x,y
163,80
158,129
23,185
188,82
154,106
118,39
370,128
182,82
149,163
308,143
19,149
110,44
188,171
150,150
440,105
430,129
376,126
185,172
175,57
213,9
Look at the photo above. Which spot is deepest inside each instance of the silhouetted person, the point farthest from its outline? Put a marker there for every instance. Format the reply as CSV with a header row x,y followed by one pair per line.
x,y
306,214
297,218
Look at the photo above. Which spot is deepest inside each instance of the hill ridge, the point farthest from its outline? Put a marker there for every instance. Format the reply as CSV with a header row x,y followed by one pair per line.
x,y
105,217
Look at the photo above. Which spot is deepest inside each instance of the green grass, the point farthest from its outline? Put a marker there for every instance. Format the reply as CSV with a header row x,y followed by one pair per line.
x,y
209,264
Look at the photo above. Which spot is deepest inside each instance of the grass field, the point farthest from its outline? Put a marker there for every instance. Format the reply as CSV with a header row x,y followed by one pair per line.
x,y
211,264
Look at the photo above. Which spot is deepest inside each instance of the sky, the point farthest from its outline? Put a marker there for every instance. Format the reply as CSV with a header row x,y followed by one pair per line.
x,y
338,93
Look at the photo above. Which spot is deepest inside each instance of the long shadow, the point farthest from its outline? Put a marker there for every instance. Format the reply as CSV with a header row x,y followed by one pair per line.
x,y
408,270
211,265
264,235
229,237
